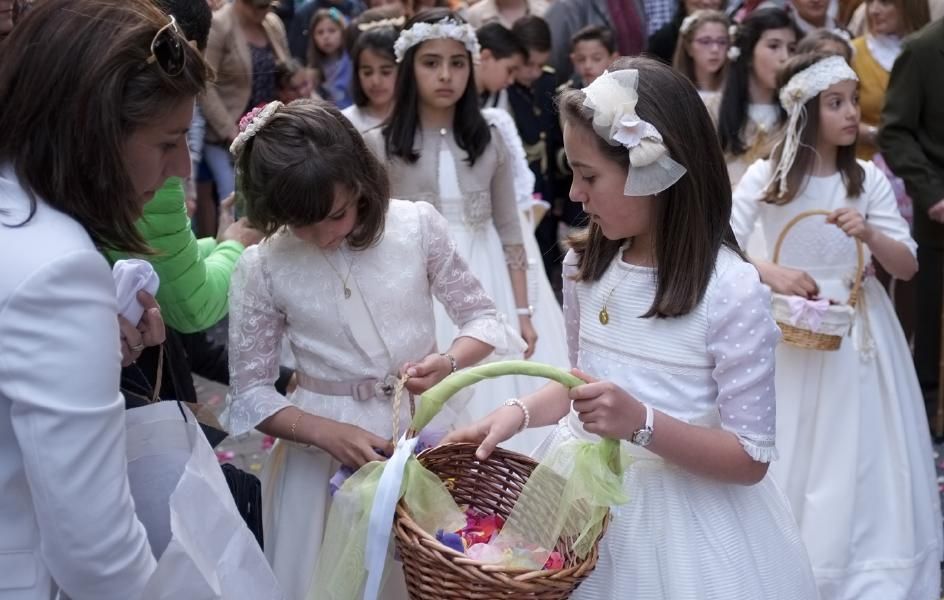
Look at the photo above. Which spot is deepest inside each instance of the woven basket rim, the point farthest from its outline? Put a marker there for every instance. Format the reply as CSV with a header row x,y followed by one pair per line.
x,y
403,517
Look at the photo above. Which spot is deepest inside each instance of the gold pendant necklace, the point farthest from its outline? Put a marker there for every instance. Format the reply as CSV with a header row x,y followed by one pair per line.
x,y
350,265
604,315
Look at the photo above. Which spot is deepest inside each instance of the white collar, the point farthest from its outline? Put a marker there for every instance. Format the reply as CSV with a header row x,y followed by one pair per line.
x,y
884,49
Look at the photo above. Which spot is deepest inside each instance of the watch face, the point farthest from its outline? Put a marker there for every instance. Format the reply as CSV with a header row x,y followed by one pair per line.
x,y
642,437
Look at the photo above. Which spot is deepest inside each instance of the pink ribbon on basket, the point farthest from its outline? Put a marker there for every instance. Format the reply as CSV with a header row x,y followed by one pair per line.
x,y
810,312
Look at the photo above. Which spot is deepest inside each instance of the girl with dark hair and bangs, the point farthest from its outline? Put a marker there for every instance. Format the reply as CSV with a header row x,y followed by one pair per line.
x,y
852,420
375,72
348,277
438,147
750,118
670,327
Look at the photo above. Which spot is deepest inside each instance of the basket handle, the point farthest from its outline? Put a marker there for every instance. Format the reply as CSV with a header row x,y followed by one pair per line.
x,y
432,401
860,253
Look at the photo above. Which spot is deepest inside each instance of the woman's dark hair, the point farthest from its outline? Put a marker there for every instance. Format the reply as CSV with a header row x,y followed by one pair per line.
x,y
379,40
818,40
315,56
194,19
853,175
288,173
469,126
732,116
691,219
533,33
500,41
64,131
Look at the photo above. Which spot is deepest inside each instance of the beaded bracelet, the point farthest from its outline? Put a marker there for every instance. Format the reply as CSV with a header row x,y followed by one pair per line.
x,y
524,409
452,361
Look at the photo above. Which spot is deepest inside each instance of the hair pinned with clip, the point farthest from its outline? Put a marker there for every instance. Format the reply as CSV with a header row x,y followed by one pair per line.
x,y
337,16
251,123
447,28
612,97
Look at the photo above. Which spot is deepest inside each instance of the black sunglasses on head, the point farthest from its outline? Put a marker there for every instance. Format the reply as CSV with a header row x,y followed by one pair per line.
x,y
167,49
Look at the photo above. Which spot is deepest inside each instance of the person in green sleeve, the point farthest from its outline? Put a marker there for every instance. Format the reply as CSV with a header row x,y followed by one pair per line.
x,y
912,142
194,273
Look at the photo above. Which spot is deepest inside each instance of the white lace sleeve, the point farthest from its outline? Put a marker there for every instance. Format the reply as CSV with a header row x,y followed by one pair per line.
x,y
256,328
746,201
571,306
742,337
882,210
460,293
523,176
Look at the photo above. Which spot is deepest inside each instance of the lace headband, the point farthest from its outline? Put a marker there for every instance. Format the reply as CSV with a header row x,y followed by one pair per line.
x,y
447,28
251,123
803,87
612,97
396,22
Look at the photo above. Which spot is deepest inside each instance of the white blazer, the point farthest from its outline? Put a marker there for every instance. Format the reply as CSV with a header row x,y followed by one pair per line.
x,y
67,519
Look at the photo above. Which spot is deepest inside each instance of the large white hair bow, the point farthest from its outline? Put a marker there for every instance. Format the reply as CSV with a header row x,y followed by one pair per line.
x,y
612,97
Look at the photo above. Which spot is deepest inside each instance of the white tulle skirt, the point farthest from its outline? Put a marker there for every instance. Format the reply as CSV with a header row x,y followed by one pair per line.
x,y
856,461
684,537
482,250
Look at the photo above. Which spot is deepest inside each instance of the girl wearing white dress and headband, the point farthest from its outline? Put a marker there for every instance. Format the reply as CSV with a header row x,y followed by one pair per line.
x,y
856,460
438,147
348,277
671,328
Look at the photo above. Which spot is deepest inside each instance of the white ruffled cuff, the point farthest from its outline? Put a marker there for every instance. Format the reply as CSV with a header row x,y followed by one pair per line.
x,y
247,408
497,332
764,451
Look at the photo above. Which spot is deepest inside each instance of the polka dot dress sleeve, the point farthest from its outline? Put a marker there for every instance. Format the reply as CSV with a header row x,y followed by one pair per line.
x,y
741,338
571,307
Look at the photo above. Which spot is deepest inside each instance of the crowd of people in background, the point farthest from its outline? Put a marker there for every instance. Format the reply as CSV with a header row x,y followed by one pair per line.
x,y
361,188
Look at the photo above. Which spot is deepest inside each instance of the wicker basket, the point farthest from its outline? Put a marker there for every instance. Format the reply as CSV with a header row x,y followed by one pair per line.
x,y
435,572
840,315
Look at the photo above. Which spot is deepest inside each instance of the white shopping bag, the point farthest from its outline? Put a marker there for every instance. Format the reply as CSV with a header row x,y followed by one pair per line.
x,y
203,547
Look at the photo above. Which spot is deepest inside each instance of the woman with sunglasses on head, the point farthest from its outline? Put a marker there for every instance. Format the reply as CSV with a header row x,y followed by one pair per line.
x,y
117,96
247,43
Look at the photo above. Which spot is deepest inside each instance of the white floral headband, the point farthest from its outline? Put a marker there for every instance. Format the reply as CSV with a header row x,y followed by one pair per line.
x,y
447,28
251,123
396,22
612,97
803,87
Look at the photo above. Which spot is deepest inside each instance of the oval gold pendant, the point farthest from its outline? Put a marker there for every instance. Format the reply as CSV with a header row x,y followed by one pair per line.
x,y
604,316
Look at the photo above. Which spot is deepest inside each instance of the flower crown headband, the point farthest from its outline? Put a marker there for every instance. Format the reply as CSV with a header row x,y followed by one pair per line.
x,y
251,123
803,87
612,97
446,28
396,22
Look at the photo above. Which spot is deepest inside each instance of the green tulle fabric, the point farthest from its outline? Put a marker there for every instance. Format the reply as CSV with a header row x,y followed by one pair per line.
x,y
567,496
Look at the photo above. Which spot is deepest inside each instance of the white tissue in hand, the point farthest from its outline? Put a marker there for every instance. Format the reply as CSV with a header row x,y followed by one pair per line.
x,y
131,276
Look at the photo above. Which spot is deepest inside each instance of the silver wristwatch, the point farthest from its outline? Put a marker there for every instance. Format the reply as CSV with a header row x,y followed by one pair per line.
x,y
642,437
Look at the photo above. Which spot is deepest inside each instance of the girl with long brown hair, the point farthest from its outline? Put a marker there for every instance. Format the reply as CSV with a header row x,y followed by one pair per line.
x,y
670,328
857,462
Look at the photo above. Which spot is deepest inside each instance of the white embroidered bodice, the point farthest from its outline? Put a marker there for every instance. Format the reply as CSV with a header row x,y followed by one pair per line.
x,y
713,367
285,287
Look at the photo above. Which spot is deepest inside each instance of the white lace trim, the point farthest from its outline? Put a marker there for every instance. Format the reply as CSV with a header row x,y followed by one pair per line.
x,y
761,450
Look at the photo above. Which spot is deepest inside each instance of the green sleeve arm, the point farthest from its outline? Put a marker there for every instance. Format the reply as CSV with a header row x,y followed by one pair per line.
x,y
194,287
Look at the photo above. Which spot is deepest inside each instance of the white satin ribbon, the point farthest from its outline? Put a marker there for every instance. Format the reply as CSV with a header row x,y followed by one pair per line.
x,y
381,515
